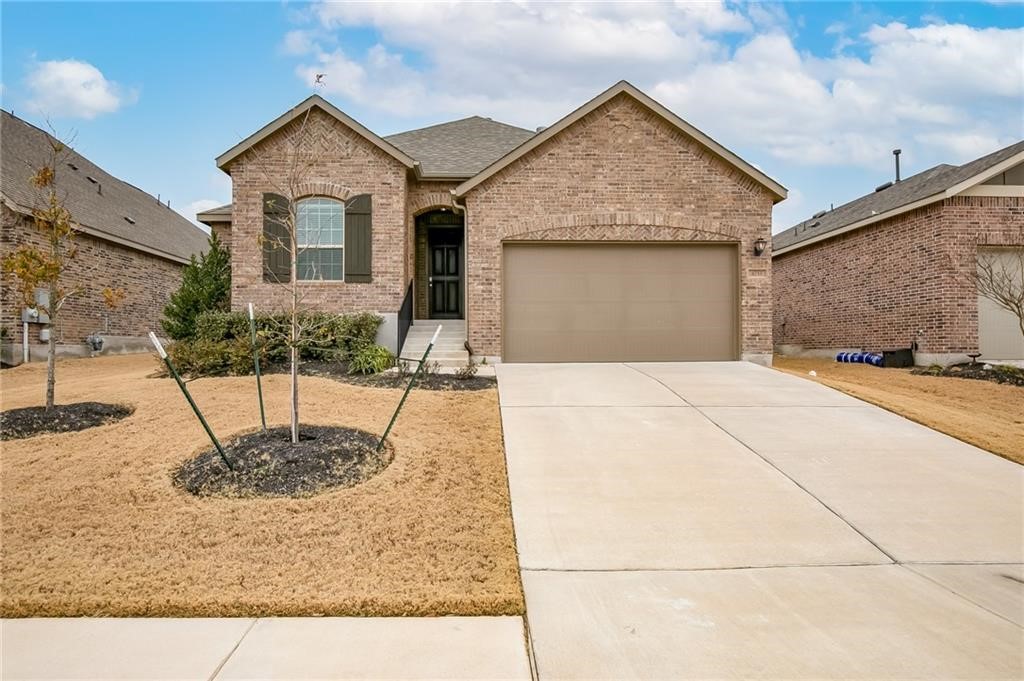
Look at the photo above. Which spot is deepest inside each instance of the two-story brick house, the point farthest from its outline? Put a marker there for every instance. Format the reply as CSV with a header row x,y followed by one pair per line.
x,y
621,232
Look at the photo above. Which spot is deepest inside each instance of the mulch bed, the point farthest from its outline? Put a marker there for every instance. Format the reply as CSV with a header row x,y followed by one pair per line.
x,y
270,465
997,373
62,418
338,371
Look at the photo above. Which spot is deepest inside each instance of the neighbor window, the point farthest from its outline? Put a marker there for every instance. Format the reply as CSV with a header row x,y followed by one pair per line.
x,y
320,231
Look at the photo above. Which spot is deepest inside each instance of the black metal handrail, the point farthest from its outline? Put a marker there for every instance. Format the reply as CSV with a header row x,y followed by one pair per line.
x,y
405,317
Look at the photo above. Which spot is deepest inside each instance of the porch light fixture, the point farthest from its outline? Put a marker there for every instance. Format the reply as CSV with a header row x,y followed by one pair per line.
x,y
759,246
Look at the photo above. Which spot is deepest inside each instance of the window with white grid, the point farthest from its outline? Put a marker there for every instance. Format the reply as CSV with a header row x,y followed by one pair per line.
x,y
320,232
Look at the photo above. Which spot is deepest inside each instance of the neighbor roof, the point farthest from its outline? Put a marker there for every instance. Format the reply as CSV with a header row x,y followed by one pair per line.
x,y
927,187
214,215
459,149
99,203
623,87
305,105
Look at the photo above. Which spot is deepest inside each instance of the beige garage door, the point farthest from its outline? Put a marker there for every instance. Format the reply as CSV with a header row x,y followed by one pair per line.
x,y
999,334
620,302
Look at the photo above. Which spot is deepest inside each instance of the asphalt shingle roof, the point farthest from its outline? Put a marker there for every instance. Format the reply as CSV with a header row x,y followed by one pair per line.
x,y
460,148
101,204
914,188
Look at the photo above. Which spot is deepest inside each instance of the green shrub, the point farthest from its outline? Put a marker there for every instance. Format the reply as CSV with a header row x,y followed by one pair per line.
x,y
199,357
205,286
223,344
329,336
371,359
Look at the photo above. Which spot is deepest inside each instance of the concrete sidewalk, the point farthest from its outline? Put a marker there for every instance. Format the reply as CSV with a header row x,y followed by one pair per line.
x,y
723,520
285,648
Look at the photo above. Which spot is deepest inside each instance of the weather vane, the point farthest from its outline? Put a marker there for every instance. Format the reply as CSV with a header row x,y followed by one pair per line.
x,y
319,82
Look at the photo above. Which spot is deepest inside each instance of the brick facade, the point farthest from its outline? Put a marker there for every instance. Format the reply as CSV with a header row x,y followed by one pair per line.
x,y
621,173
148,282
894,282
344,165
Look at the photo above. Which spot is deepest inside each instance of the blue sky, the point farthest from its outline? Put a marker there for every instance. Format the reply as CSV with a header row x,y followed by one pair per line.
x,y
816,94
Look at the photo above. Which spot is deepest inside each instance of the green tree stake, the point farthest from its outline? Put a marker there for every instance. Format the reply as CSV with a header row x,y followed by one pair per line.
x,y
206,426
256,361
408,389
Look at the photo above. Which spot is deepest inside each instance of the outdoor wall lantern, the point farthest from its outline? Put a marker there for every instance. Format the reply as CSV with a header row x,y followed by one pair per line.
x,y
759,246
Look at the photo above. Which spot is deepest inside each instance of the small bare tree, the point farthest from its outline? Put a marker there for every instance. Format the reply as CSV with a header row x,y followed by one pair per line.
x,y
291,166
32,268
999,277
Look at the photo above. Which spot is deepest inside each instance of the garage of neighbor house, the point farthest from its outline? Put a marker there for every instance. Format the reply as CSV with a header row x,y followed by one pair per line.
x,y
620,302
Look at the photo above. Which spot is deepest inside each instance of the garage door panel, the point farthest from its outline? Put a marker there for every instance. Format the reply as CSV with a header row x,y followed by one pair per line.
x,y
999,334
620,302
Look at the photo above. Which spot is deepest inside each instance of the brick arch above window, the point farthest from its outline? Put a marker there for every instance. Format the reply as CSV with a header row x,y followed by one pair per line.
x,y
622,226
429,202
330,190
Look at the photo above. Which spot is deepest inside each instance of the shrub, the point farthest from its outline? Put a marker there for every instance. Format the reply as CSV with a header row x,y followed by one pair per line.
x,y
466,372
371,359
222,344
205,285
333,337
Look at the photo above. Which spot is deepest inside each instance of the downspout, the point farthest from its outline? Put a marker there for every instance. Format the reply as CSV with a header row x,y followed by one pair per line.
x,y
465,260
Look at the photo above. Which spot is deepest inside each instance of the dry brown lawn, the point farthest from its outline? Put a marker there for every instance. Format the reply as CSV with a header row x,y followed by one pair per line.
x,y
985,414
91,525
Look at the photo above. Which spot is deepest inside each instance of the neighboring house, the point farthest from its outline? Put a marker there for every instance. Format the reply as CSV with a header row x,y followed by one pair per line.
x,y
619,233
890,269
125,238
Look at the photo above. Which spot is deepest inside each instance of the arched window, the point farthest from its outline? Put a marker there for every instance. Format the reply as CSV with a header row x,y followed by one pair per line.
x,y
320,235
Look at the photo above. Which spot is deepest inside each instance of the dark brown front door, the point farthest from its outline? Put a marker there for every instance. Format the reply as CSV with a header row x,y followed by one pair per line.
x,y
445,275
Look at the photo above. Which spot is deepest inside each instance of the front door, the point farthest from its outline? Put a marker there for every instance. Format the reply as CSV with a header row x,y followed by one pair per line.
x,y
444,276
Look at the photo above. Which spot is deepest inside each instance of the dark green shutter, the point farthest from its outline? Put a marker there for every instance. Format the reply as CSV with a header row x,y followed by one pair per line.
x,y
359,239
277,262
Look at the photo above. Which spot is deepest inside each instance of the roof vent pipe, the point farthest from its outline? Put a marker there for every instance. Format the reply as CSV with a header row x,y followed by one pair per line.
x,y
896,153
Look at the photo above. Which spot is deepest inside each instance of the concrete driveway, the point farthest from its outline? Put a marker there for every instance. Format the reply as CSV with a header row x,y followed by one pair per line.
x,y
724,520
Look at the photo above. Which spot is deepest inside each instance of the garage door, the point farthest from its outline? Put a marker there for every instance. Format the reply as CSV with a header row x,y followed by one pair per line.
x,y
620,302
999,334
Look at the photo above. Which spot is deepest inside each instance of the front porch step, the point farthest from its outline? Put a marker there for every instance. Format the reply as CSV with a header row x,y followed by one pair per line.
x,y
450,349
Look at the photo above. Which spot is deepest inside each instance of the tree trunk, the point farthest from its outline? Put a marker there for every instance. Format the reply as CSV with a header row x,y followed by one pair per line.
x,y
51,368
295,394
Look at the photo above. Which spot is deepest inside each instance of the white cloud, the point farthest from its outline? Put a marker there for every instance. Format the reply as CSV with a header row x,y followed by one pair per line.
x,y
198,207
74,89
944,93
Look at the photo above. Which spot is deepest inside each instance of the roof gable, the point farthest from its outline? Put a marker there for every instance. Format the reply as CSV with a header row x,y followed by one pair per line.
x,y
459,149
623,87
225,159
929,186
100,204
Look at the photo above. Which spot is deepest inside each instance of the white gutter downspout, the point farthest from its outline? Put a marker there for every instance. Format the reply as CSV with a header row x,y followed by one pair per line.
x,y
465,259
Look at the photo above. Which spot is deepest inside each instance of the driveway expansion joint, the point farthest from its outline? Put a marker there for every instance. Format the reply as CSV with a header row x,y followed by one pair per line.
x,y
216,672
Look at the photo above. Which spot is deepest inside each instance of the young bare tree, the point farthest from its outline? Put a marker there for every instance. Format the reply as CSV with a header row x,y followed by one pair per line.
x,y
999,277
289,235
32,268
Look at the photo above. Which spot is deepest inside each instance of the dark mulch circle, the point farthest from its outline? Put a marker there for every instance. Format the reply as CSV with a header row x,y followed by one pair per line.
x,y
16,424
997,373
269,465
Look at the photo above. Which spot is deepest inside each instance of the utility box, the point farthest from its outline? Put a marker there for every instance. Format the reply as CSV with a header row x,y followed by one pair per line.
x,y
898,359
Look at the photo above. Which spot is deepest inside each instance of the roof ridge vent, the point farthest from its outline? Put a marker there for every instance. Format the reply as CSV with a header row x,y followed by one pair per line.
x,y
819,214
883,187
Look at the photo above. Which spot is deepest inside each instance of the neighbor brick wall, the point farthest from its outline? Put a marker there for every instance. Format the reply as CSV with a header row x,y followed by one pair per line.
x,y
875,288
620,173
344,165
148,282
